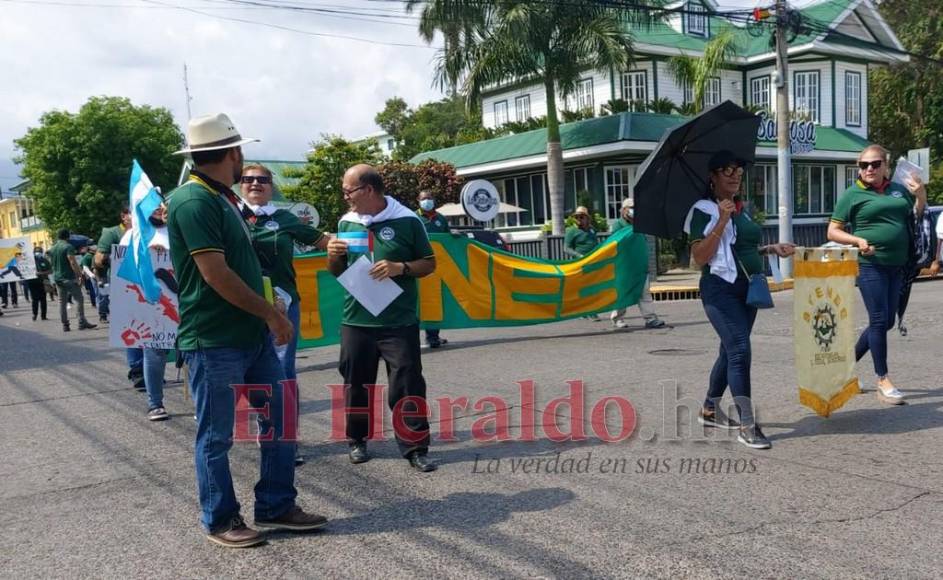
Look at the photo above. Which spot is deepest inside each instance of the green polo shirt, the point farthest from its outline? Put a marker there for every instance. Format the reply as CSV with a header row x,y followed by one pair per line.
x,y
746,250
397,240
274,240
59,255
109,237
434,225
201,220
580,240
880,218
87,260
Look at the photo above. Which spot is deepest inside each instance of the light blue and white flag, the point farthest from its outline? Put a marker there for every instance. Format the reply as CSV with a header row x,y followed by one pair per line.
x,y
137,267
357,242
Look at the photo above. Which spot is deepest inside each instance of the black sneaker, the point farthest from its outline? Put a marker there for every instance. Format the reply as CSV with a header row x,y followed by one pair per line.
x,y
86,325
716,418
752,437
157,414
358,453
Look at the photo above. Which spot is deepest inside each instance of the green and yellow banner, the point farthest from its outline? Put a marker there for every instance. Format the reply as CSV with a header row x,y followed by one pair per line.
x,y
475,285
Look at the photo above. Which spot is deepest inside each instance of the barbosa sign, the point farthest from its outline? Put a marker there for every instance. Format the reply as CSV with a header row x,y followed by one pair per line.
x,y
801,133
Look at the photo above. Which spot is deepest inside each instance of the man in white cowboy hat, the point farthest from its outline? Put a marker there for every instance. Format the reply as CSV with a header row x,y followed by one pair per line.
x,y
227,335
645,304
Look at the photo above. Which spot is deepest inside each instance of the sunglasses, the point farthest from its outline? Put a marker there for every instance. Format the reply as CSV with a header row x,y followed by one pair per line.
x,y
863,165
730,170
261,179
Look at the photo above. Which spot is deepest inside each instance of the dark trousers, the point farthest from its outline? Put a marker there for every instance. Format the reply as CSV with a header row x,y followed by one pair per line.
x,y
8,292
880,290
361,351
732,319
38,293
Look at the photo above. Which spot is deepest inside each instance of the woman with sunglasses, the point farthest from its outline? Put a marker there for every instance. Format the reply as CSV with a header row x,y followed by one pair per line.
x,y
726,243
274,233
878,212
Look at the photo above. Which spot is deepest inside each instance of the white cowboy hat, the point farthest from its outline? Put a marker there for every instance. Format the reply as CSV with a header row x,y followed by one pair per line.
x,y
212,132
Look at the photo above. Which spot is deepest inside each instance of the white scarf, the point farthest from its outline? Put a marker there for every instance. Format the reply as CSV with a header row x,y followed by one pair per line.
x,y
393,210
722,263
261,210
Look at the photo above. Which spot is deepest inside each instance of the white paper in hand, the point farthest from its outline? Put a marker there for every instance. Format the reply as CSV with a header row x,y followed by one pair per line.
x,y
374,295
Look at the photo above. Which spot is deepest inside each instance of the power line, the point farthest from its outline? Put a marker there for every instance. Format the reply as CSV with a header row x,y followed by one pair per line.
x,y
286,28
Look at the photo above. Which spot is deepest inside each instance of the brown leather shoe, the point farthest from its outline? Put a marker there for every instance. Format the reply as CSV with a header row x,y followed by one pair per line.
x,y
294,520
237,535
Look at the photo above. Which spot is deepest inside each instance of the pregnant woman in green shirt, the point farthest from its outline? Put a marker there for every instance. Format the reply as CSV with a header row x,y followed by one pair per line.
x,y
726,242
877,212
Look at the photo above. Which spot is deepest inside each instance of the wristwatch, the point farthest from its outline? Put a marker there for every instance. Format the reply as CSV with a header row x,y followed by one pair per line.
x,y
406,269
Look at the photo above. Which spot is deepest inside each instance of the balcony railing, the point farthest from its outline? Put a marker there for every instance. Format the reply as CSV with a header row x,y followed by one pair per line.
x,y
30,223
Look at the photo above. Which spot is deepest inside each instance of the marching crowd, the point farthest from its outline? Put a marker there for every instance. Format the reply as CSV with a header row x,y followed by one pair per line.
x,y
222,245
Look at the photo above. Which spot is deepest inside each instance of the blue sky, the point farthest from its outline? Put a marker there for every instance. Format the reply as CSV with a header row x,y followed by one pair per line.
x,y
283,87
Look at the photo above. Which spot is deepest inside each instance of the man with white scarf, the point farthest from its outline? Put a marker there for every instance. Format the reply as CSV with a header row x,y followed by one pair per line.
x,y
401,252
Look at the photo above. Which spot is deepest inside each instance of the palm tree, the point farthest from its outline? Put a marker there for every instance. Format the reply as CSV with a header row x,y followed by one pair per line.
x,y
697,72
488,42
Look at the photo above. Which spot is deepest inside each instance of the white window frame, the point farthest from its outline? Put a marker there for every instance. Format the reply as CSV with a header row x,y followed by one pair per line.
x,y
757,90
696,23
522,108
583,95
770,187
808,168
851,175
807,94
633,82
618,189
713,94
853,99
497,117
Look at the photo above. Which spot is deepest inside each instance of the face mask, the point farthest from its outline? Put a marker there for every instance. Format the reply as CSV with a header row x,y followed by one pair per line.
x,y
427,204
631,212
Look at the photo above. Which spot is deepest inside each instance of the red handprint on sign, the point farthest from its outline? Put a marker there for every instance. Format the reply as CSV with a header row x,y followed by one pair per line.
x,y
135,332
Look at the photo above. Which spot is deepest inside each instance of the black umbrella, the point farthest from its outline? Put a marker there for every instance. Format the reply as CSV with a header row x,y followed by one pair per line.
x,y
675,175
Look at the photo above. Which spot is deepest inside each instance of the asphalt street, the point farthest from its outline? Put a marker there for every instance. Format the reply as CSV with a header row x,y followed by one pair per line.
x,y
90,488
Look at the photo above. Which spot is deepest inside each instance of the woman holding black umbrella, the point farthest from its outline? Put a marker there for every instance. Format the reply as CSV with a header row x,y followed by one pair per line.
x,y
726,243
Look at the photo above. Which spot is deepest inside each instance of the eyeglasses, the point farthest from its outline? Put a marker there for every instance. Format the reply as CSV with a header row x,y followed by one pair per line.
x,y
863,165
352,191
731,170
261,179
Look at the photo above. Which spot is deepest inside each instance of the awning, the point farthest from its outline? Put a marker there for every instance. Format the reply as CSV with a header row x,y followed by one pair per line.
x,y
455,210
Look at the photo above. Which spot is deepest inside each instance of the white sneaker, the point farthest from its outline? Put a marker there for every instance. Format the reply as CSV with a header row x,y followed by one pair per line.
x,y
891,396
619,324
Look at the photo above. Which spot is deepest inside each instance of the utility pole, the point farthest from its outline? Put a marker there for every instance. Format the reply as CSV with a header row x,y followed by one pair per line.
x,y
784,158
186,89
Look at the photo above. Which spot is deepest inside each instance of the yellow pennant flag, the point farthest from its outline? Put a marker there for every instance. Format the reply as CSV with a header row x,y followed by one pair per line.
x,y
824,291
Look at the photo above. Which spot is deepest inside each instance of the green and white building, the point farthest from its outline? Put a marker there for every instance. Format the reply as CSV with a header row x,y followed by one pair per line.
x,y
828,83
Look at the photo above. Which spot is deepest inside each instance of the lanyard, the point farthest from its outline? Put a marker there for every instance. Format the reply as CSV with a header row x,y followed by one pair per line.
x,y
229,203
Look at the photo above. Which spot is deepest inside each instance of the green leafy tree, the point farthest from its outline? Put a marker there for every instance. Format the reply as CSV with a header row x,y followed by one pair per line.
x,y
404,181
662,106
432,126
320,179
79,164
493,41
905,103
697,72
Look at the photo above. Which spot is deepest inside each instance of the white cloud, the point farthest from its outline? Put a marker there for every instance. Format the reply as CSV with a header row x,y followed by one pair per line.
x,y
282,87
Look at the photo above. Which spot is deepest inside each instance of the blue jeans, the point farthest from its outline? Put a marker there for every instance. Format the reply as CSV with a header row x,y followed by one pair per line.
x,y
213,372
732,319
135,358
880,290
104,300
288,361
155,360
